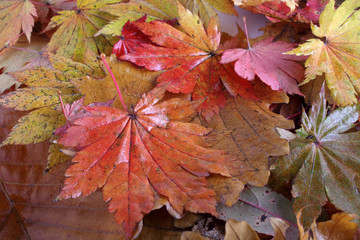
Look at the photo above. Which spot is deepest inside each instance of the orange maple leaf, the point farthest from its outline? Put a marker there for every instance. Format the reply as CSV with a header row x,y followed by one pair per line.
x,y
129,154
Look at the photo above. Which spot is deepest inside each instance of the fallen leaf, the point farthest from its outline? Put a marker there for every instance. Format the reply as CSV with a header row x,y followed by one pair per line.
x,y
133,10
27,209
132,81
291,4
74,37
15,15
246,129
187,221
337,57
265,59
191,60
280,227
338,228
324,161
205,8
257,206
239,231
41,96
14,60
113,142
131,37
312,9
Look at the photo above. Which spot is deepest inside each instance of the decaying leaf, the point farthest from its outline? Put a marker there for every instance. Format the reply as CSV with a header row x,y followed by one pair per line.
x,y
128,154
133,82
74,37
191,60
27,209
324,161
338,56
16,15
339,227
257,206
247,130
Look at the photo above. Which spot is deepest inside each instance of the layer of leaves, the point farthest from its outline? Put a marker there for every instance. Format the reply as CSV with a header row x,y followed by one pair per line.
x,y
133,10
324,161
191,60
257,206
74,37
338,56
265,59
246,129
41,96
16,15
26,197
129,154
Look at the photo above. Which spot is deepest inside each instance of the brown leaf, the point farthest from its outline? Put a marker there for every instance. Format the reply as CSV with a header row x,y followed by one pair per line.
x,y
27,209
239,231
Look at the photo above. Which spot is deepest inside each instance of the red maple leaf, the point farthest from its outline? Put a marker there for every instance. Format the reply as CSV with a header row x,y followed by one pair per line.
x,y
75,110
191,60
266,60
131,37
129,154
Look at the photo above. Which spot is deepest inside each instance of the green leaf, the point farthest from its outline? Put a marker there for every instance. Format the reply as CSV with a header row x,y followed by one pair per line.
x,y
324,160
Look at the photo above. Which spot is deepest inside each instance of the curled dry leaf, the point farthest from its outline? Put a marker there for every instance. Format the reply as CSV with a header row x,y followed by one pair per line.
x,y
129,154
239,231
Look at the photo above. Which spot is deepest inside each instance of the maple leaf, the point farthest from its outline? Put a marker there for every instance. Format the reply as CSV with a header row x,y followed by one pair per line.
x,y
324,161
337,57
133,10
246,129
266,60
41,96
127,154
191,60
204,8
16,15
75,110
130,38
132,81
74,37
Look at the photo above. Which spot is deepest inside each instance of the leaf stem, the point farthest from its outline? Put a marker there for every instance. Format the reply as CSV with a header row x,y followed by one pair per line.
x,y
115,82
246,32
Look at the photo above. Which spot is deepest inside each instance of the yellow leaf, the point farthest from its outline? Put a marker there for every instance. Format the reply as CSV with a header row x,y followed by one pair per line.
x,y
75,36
133,82
339,55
